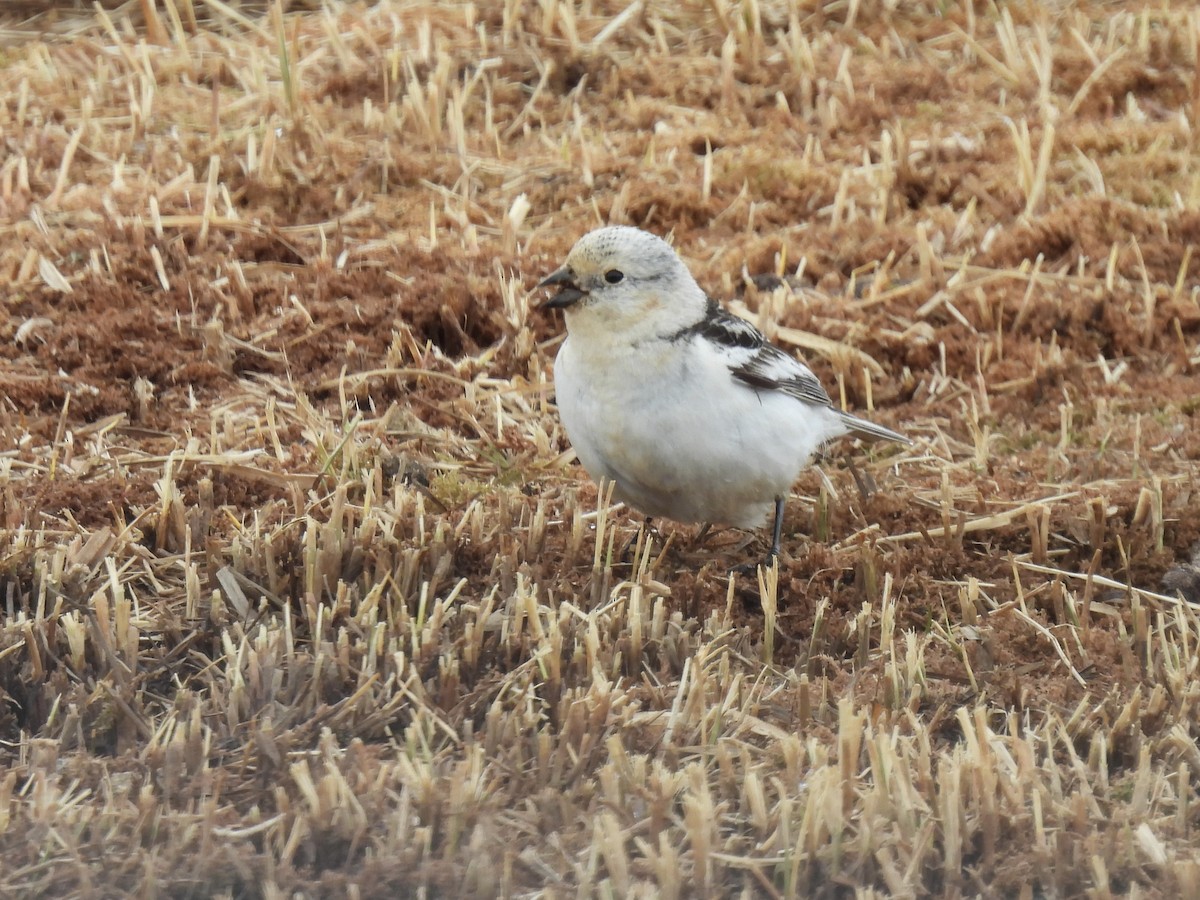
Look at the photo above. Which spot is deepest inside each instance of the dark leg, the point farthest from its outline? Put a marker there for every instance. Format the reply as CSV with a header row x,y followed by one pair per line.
x,y
776,535
703,533
632,542
777,532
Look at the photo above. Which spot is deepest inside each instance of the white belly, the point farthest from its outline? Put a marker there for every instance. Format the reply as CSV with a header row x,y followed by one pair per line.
x,y
681,439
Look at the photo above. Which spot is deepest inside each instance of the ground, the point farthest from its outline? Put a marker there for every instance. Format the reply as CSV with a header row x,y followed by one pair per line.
x,y
304,592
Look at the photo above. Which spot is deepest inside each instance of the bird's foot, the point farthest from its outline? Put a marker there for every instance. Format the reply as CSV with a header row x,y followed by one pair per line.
x,y
773,553
751,568
629,551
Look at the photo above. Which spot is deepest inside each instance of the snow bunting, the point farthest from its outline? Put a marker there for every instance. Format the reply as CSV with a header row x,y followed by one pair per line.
x,y
687,409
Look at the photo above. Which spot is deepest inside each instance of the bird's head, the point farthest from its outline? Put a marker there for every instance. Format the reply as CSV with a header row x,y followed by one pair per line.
x,y
626,283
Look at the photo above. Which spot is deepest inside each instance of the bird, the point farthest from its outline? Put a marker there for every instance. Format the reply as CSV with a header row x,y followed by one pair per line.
x,y
688,410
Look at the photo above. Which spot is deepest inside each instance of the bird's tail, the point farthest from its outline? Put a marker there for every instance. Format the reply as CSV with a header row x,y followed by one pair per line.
x,y
862,428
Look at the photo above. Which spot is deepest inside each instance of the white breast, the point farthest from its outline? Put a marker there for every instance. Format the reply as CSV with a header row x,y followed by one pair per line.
x,y
678,435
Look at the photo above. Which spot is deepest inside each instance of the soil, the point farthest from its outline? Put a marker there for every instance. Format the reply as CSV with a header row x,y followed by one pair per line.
x,y
318,376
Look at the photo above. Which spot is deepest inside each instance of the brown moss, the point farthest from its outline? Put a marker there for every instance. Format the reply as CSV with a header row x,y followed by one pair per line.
x,y
301,591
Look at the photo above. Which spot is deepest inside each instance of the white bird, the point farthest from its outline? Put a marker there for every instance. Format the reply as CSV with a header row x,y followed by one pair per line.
x,y
687,409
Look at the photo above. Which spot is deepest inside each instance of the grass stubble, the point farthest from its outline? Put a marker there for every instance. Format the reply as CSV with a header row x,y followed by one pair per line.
x,y
302,589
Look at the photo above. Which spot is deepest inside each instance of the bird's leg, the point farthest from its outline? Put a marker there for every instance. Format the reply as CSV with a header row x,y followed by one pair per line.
x,y
773,553
776,532
705,528
631,544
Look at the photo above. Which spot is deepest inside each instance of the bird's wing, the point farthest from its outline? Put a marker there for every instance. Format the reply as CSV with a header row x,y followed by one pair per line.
x,y
773,370
756,362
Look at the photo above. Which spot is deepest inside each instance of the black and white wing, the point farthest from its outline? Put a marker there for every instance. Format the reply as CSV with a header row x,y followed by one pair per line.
x,y
761,364
770,369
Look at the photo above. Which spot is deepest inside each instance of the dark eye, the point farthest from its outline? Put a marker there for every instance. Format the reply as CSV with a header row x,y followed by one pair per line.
x,y
612,276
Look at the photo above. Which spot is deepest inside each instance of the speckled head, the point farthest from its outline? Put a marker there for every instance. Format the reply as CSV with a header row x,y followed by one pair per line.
x,y
625,278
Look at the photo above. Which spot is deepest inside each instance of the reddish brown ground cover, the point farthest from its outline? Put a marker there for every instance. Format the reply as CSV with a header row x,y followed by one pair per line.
x,y
304,592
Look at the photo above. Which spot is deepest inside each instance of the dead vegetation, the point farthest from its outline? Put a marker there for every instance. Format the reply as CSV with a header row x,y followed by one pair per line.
x,y
304,593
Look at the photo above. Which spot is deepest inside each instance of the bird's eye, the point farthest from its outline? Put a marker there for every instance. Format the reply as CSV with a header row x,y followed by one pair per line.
x,y
612,276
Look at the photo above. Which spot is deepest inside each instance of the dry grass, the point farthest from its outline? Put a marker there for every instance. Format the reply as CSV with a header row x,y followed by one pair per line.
x,y
303,591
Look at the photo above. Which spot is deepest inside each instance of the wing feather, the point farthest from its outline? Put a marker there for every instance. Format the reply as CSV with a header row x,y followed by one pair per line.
x,y
771,369
760,364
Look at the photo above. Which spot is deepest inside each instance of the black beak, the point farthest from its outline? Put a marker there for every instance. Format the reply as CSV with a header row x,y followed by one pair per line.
x,y
569,293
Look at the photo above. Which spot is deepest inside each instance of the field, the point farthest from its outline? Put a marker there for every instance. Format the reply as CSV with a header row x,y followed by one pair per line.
x,y
304,593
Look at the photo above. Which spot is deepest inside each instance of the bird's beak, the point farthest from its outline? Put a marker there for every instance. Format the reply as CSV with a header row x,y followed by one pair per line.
x,y
569,293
